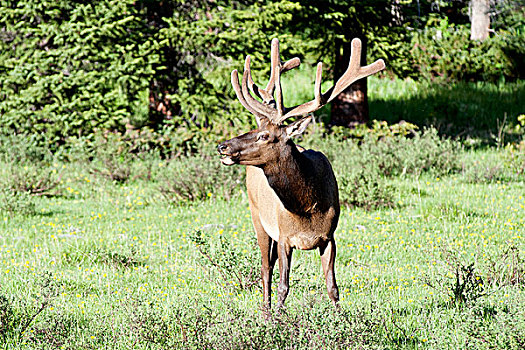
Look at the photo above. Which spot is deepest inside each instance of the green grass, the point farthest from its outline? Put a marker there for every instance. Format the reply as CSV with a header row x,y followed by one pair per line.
x,y
114,266
476,110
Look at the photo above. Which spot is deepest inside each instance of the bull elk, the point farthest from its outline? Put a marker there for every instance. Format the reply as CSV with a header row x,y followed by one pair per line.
x,y
293,194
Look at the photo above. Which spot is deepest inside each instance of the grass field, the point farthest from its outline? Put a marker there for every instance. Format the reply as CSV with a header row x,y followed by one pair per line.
x,y
110,265
113,266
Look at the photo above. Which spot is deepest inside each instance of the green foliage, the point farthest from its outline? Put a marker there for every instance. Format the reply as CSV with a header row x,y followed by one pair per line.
x,y
16,203
364,187
363,166
465,284
26,172
16,315
424,152
67,68
237,266
161,69
196,178
449,53
315,325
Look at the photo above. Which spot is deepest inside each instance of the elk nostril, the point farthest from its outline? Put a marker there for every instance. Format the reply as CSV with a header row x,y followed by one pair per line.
x,y
222,148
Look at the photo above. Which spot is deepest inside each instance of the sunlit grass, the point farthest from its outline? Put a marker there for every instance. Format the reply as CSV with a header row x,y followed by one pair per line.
x,y
112,248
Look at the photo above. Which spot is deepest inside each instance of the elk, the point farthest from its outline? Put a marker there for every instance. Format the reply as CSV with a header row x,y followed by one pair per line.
x,y
292,192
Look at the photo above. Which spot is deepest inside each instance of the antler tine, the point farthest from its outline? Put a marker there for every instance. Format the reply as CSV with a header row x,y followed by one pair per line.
x,y
267,94
240,96
253,87
275,77
275,110
260,107
353,73
310,106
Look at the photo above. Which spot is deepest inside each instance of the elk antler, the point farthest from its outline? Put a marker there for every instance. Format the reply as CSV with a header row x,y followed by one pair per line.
x,y
273,108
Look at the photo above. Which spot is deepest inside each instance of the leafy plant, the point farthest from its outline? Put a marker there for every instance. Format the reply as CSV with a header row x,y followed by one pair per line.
x,y
364,186
237,266
16,203
17,316
22,181
448,53
462,282
187,179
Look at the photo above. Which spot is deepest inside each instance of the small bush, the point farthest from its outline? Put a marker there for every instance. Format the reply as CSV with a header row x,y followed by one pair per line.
x,y
20,182
465,282
19,149
423,153
238,267
36,180
187,179
364,186
14,203
18,315
461,281
364,165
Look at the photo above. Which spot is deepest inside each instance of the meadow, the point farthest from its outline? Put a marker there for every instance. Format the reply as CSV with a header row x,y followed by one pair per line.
x,y
138,261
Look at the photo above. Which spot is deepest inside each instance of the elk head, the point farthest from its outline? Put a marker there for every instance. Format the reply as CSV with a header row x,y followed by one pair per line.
x,y
267,142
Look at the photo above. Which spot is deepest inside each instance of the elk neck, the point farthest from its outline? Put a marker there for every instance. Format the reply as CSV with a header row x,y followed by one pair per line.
x,y
292,177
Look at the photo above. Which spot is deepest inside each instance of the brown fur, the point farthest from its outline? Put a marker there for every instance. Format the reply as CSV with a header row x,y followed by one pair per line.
x,y
293,194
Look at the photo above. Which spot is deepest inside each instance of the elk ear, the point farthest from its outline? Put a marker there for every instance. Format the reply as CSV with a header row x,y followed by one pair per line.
x,y
298,126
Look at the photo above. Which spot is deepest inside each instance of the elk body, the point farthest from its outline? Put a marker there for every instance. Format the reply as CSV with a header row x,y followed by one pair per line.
x,y
293,195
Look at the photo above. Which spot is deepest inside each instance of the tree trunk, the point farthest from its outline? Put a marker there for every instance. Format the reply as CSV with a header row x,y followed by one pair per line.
x,y
479,19
351,106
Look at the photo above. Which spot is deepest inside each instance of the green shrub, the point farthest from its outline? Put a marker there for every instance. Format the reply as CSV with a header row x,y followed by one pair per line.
x,y
237,266
449,53
18,315
23,148
424,152
364,165
199,177
363,186
20,182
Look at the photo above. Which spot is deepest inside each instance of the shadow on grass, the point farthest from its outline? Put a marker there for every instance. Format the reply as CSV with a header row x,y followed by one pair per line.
x,y
464,110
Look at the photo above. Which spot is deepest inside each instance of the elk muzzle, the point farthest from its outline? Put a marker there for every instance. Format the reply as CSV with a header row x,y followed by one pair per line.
x,y
227,156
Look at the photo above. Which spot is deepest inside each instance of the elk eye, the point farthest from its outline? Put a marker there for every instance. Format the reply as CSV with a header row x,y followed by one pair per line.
x,y
263,136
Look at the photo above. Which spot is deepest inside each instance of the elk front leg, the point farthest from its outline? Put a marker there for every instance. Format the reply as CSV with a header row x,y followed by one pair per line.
x,y
328,261
268,258
284,252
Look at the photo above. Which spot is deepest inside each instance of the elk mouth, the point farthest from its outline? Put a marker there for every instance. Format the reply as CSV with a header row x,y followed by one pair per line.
x,y
230,159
